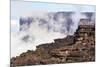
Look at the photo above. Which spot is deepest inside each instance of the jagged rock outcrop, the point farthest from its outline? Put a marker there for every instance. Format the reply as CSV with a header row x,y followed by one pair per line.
x,y
79,47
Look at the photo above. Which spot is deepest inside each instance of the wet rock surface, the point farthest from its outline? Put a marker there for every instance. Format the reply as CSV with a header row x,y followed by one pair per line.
x,y
79,47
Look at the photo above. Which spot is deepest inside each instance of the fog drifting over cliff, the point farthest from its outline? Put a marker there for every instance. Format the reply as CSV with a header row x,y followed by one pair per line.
x,y
42,27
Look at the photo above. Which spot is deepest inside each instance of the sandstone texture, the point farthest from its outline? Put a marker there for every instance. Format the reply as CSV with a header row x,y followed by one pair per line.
x,y
79,47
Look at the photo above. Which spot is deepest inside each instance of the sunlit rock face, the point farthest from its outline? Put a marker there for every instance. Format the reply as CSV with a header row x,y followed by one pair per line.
x,y
79,47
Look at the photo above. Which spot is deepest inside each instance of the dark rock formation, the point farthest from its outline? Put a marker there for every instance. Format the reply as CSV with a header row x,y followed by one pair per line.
x,y
79,47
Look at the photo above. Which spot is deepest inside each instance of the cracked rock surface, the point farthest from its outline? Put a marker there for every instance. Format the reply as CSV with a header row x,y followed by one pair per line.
x,y
79,47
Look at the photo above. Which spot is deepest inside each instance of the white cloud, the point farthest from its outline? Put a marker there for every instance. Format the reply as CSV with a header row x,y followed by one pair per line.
x,y
14,25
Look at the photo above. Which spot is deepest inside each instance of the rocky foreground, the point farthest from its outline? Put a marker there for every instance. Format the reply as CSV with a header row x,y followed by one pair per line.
x,y
79,47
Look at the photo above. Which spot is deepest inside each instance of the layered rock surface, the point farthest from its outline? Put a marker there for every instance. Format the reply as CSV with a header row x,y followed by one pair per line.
x,y
79,47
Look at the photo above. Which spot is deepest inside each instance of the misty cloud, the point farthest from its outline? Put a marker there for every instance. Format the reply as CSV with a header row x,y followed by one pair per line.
x,y
43,27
